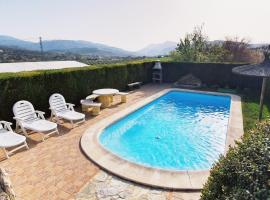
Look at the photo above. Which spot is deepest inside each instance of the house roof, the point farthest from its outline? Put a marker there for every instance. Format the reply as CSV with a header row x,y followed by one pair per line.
x,y
30,66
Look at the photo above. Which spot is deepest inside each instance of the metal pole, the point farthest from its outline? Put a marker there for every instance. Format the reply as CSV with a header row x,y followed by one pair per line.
x,y
262,97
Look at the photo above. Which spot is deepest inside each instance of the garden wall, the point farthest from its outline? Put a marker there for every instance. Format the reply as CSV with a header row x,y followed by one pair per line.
x,y
76,84
211,74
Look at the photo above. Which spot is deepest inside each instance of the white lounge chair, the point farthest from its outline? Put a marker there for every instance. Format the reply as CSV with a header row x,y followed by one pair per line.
x,y
29,119
62,110
10,139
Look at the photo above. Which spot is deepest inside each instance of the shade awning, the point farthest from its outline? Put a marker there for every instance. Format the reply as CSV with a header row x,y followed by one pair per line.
x,y
256,70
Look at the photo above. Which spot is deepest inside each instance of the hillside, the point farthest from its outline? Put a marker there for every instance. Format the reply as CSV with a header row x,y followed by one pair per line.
x,y
66,46
157,49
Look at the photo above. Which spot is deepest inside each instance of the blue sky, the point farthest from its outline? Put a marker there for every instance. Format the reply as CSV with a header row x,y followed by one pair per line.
x,y
133,24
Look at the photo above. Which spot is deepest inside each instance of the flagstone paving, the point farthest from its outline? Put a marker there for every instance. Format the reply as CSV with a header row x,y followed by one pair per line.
x,y
57,169
105,186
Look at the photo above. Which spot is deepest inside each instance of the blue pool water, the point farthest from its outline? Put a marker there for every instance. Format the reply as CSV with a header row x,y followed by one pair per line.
x,y
178,131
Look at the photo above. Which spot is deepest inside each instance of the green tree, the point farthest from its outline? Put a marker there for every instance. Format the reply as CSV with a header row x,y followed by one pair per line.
x,y
195,47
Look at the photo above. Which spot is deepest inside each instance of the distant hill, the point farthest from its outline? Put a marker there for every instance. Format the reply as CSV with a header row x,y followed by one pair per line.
x,y
70,46
14,54
157,49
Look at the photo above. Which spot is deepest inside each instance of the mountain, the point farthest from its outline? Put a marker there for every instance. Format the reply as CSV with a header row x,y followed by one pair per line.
x,y
17,43
66,46
157,49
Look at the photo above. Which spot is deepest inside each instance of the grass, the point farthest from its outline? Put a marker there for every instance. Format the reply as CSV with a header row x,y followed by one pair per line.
x,y
250,109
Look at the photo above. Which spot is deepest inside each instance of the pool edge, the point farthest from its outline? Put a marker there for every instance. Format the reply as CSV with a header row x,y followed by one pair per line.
x,y
167,179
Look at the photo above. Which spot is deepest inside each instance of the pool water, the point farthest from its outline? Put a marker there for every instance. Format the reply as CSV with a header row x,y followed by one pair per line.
x,y
178,131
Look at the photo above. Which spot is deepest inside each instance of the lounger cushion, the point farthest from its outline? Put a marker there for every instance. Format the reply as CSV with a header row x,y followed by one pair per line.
x,y
10,139
71,115
39,125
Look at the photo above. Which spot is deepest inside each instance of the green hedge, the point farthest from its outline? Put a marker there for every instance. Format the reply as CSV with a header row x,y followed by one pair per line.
x,y
74,84
245,171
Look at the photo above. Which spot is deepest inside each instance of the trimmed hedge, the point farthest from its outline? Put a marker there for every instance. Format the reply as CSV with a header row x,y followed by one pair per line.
x,y
74,84
245,171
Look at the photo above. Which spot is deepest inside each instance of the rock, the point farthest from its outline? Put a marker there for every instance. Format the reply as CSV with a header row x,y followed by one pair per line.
x,y
188,81
5,185
4,196
101,177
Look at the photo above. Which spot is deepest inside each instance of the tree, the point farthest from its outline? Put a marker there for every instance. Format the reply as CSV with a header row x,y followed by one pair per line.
x,y
191,48
195,47
239,50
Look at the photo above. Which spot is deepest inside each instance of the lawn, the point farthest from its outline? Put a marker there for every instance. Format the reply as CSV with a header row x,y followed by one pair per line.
x,y
250,106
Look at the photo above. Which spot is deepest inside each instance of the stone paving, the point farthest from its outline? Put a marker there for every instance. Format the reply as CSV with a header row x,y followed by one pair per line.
x,y
57,169
108,187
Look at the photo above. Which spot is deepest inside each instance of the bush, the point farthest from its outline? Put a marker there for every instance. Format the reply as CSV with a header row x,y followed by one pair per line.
x,y
74,84
245,171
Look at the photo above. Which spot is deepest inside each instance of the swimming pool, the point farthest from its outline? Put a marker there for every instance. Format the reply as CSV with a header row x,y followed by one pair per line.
x,y
178,131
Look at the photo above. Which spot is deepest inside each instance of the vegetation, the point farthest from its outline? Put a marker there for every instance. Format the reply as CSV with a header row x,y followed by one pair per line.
x,y
196,47
8,54
239,51
244,173
250,109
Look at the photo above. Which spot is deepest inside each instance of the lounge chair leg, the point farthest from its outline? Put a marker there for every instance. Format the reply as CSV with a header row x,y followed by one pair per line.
x,y
43,138
26,145
6,153
17,127
72,124
57,132
24,132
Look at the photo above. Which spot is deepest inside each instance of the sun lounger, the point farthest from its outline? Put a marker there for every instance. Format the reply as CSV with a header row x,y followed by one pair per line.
x,y
62,110
29,119
9,139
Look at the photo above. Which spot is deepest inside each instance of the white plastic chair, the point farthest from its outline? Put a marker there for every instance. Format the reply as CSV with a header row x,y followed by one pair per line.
x,y
29,119
10,139
62,110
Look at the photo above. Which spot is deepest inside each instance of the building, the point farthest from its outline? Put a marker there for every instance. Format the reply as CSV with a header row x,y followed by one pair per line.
x,y
46,65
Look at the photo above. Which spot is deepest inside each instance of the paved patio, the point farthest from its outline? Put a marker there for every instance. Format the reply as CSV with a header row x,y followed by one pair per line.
x,y
57,169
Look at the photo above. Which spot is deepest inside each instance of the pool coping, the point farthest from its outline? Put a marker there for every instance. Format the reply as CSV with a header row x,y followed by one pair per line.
x,y
161,178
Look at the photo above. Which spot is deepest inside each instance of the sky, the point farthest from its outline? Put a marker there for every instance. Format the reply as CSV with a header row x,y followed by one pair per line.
x,y
134,24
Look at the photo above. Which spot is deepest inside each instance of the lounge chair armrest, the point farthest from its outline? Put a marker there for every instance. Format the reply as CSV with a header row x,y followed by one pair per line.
x,y
5,122
6,125
40,114
70,106
18,119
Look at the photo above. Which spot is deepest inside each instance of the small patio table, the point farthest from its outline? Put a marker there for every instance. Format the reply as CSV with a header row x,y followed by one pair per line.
x,y
105,96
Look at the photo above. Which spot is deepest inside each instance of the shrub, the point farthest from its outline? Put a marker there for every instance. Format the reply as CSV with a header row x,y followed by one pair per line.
x,y
244,173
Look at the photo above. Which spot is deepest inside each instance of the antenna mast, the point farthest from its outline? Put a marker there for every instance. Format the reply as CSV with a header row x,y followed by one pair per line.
x,y
41,45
